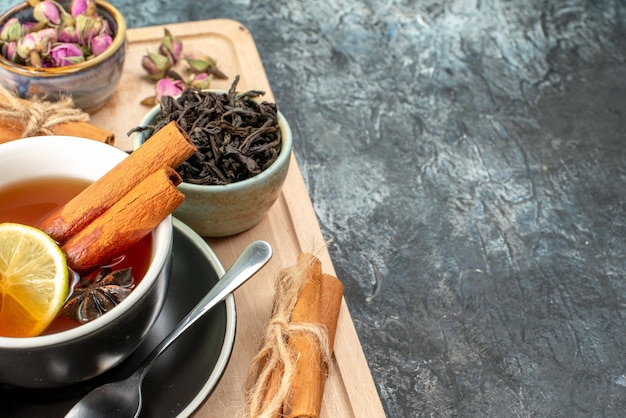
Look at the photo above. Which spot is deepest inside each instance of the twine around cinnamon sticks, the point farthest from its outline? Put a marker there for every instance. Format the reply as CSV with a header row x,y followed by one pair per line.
x,y
20,118
288,374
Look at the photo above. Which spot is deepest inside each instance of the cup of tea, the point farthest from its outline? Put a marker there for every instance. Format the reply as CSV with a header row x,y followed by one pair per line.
x,y
39,174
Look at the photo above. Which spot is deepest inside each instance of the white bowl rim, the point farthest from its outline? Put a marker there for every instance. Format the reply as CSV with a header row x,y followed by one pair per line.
x,y
159,252
283,156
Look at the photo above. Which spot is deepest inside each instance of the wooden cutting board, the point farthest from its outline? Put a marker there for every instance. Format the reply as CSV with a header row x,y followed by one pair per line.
x,y
291,226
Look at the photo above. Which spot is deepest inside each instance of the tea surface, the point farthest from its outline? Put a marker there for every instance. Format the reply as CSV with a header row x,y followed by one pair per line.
x,y
30,202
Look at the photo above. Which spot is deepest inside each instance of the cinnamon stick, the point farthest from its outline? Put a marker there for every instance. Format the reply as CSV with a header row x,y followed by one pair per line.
x,y
170,146
13,128
305,392
84,130
331,296
130,219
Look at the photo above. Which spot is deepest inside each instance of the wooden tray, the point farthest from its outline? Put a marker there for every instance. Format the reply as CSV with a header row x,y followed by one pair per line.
x,y
291,226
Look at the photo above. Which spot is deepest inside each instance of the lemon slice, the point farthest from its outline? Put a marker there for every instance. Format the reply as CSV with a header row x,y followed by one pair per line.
x,y
33,280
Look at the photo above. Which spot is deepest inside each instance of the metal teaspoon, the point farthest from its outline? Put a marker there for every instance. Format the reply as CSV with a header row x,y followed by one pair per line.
x,y
123,398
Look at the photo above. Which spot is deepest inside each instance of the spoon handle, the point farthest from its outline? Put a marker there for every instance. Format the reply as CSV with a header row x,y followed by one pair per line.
x,y
253,257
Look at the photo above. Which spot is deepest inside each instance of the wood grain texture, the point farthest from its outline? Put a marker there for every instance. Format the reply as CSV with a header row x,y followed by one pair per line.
x,y
291,227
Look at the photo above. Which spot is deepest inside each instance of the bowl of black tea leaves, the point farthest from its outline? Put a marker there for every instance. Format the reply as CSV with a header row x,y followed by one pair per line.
x,y
244,148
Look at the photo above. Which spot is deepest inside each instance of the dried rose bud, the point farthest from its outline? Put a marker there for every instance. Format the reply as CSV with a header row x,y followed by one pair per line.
x,y
69,34
9,50
47,12
201,81
100,43
105,27
199,63
171,47
31,47
28,27
34,59
169,87
88,27
25,45
45,37
80,7
11,31
66,54
156,65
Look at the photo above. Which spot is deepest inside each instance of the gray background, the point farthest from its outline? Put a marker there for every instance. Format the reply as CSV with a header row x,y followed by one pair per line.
x,y
467,158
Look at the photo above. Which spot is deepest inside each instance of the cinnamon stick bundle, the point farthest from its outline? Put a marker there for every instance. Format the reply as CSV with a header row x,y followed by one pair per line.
x,y
169,147
126,222
305,398
294,385
17,122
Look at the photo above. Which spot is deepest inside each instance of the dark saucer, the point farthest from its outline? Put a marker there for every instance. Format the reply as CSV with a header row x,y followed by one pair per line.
x,y
186,373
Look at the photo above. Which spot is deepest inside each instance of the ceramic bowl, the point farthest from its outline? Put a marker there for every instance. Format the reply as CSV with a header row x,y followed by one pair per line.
x,y
90,349
225,210
90,83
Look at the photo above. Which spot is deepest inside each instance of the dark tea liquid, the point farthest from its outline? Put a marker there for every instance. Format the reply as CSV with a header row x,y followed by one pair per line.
x,y
31,201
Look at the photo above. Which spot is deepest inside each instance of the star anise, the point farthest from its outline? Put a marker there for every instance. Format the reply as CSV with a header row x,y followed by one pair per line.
x,y
91,300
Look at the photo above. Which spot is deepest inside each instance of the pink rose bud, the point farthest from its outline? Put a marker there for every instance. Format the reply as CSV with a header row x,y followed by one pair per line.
x,y
169,87
105,27
32,45
201,81
28,27
25,45
100,43
45,37
171,47
9,50
87,28
66,54
80,7
69,34
47,12
156,65
199,63
11,31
